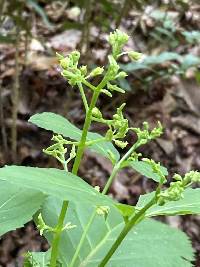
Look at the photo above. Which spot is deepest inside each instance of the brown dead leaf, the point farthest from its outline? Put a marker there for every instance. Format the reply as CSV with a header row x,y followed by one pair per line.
x,y
41,62
66,41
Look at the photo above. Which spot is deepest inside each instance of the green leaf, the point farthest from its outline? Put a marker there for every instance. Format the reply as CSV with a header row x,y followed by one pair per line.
x,y
17,206
149,61
60,125
149,244
189,61
125,210
190,204
192,36
145,169
124,84
58,183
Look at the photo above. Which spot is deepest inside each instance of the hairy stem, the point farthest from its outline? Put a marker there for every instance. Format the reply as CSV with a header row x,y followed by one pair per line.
x,y
57,235
135,219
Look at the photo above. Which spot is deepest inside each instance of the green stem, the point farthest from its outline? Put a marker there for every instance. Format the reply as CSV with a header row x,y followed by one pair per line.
x,y
84,133
118,166
57,235
83,96
126,230
92,87
86,126
110,180
87,227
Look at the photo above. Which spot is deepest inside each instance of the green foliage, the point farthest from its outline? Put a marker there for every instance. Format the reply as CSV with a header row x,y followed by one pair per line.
x,y
53,182
17,205
148,244
150,61
192,37
83,226
189,204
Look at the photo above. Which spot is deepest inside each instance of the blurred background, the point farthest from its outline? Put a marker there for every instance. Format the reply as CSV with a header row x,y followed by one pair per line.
x,y
164,85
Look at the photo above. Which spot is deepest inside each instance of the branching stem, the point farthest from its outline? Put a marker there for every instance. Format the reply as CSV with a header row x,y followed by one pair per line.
x,y
81,146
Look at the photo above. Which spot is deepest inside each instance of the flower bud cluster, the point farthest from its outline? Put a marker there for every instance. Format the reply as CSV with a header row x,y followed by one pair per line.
x,y
118,128
103,211
144,135
95,72
173,193
58,150
176,189
41,225
70,68
117,40
72,72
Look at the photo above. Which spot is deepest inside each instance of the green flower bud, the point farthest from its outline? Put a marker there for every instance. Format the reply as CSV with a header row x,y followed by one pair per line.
x,y
83,70
117,39
177,177
156,132
134,55
113,87
103,210
96,113
74,56
116,117
96,71
120,144
106,92
97,188
121,75
192,176
64,63
113,68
